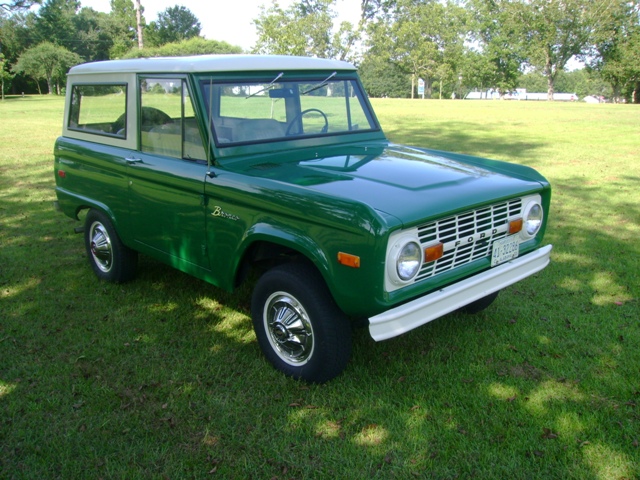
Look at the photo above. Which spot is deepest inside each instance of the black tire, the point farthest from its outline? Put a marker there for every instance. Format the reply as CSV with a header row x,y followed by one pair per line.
x,y
300,329
110,259
480,304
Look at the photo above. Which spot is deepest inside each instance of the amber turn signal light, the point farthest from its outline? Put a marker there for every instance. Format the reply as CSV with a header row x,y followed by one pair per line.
x,y
349,260
433,253
515,226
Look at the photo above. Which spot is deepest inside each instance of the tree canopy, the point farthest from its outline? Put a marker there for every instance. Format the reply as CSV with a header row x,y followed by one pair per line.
x,y
556,31
15,5
193,46
615,52
306,29
39,46
47,61
453,46
175,24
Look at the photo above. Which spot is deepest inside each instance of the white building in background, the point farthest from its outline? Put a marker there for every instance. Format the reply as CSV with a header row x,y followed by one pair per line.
x,y
520,94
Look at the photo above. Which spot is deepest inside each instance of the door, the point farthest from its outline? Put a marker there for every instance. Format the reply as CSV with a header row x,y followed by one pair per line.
x,y
166,177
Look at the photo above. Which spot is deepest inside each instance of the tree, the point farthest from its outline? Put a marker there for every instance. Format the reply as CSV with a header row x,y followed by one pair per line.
x,y
14,35
173,25
122,27
93,35
15,5
498,35
305,29
15,38
382,78
5,76
47,61
193,46
554,32
421,38
55,23
616,49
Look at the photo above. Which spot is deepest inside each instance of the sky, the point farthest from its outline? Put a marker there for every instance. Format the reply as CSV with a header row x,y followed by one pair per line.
x,y
225,20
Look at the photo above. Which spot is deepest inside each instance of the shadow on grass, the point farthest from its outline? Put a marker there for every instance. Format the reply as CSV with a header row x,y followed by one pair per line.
x,y
162,376
465,137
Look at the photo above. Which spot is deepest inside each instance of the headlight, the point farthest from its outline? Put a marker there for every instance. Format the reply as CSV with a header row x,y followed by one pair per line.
x,y
408,262
533,215
404,259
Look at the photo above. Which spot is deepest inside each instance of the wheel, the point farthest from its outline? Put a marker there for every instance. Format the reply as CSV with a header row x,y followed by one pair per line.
x,y
299,328
480,304
110,259
299,116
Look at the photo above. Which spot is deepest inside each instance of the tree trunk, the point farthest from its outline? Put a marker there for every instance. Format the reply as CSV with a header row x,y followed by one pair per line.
x,y
413,85
50,85
550,86
635,97
139,23
548,71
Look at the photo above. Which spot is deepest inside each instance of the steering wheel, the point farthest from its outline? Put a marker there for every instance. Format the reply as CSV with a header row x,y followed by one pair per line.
x,y
299,116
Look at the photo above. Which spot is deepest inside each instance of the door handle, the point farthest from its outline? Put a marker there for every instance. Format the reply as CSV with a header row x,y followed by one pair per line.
x,y
133,160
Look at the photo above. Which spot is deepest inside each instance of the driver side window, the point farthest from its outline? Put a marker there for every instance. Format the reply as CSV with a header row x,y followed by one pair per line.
x,y
168,124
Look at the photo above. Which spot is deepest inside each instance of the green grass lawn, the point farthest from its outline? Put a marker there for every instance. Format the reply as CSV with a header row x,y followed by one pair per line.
x,y
163,378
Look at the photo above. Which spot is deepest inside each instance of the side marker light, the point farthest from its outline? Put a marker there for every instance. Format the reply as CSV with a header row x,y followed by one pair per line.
x,y
349,260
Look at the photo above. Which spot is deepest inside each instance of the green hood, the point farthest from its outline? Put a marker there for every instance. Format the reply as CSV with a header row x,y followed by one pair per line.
x,y
410,184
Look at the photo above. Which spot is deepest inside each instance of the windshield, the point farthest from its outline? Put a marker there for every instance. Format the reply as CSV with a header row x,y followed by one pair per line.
x,y
278,109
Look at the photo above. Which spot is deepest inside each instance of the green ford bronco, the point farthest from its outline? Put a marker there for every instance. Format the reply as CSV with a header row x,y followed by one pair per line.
x,y
217,165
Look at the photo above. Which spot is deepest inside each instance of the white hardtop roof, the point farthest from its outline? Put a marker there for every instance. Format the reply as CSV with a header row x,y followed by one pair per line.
x,y
210,63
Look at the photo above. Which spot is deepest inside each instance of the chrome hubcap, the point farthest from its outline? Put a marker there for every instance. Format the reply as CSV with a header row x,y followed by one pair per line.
x,y
101,248
288,328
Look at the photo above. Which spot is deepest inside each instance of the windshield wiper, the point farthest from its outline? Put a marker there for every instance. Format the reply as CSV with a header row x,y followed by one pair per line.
x,y
320,85
268,87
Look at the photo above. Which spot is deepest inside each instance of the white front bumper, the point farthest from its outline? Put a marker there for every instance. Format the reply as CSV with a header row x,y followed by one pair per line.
x,y
422,310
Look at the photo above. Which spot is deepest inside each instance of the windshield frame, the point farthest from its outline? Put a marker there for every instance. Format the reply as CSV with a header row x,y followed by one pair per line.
x,y
294,90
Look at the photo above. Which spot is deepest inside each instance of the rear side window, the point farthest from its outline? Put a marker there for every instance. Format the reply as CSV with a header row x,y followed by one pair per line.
x,y
99,109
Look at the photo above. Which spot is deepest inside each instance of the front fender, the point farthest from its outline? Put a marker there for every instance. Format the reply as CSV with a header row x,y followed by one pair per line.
x,y
348,286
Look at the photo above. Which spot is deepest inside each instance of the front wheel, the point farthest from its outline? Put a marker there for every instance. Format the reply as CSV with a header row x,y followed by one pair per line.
x,y
110,259
299,328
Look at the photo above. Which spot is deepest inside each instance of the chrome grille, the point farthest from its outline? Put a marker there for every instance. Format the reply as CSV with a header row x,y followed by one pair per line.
x,y
466,237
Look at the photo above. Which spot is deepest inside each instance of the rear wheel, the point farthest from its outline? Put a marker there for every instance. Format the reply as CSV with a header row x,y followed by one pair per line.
x,y
110,259
299,328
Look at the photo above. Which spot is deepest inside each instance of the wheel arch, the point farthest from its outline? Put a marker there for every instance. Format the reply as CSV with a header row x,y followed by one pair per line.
x,y
84,205
268,245
73,205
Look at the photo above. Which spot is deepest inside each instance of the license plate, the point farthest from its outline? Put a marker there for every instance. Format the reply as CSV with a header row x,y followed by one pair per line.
x,y
504,250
